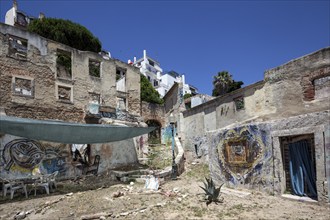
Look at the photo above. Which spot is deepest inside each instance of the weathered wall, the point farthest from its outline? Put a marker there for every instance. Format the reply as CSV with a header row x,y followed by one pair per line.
x,y
243,144
249,155
282,94
40,67
29,87
222,111
19,156
132,87
151,111
291,86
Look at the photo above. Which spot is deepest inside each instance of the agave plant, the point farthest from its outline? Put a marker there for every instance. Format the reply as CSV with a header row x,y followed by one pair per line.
x,y
211,192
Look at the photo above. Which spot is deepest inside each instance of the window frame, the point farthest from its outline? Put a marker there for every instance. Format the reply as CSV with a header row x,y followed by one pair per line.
x,y
63,86
16,54
236,103
14,92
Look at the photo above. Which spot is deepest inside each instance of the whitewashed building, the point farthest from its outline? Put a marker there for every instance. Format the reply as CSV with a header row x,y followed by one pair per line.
x,y
161,81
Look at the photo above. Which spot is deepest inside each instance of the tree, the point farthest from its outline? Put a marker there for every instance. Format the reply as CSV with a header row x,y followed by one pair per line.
x,y
66,32
148,92
223,83
187,96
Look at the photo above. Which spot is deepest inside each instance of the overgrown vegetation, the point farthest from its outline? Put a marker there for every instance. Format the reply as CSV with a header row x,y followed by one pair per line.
x,y
66,32
65,61
223,83
148,92
187,96
159,157
94,68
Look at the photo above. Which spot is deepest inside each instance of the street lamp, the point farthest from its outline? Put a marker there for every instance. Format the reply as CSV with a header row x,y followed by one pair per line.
x,y
174,165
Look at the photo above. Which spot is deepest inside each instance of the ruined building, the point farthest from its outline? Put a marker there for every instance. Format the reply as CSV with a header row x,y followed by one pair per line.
x,y
258,136
43,79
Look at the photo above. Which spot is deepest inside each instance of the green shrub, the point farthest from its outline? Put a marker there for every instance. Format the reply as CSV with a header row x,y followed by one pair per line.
x,y
66,32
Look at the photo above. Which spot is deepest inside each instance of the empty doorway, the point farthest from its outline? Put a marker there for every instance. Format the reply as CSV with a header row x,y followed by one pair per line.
x,y
298,158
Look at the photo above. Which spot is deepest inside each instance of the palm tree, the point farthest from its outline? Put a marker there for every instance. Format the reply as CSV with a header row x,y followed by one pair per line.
x,y
221,83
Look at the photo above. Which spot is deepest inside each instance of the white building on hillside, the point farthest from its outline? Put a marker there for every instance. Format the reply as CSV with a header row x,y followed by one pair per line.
x,y
162,82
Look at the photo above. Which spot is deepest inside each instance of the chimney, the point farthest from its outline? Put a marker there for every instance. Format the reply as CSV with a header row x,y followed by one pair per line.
x,y
134,60
144,54
183,80
41,15
15,4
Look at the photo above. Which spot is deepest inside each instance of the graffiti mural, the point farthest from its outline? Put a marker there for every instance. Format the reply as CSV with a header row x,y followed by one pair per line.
x,y
167,135
25,156
23,153
54,160
240,152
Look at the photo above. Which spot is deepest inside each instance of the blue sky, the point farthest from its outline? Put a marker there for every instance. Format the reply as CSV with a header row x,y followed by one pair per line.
x,y
199,38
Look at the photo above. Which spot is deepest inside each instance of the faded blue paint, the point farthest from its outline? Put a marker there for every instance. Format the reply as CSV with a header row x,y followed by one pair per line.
x,y
52,165
167,134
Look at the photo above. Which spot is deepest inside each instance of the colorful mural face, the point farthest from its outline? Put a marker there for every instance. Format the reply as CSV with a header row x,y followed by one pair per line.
x,y
23,153
240,152
24,156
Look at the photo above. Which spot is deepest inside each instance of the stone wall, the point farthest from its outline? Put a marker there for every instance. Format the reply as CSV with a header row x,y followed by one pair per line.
x,y
151,111
291,86
38,68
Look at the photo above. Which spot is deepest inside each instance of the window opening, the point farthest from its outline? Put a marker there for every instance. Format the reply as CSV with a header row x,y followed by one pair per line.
x,y
121,103
151,63
94,103
64,93
94,68
64,64
239,103
17,47
23,86
120,73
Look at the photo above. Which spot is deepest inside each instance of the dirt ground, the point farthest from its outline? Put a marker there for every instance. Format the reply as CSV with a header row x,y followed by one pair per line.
x,y
178,199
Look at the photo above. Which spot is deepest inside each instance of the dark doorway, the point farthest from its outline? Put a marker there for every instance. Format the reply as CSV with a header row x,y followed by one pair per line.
x,y
298,157
154,136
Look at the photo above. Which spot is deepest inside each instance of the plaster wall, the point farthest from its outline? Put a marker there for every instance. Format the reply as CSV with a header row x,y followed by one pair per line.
x,y
282,94
291,86
49,157
261,167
